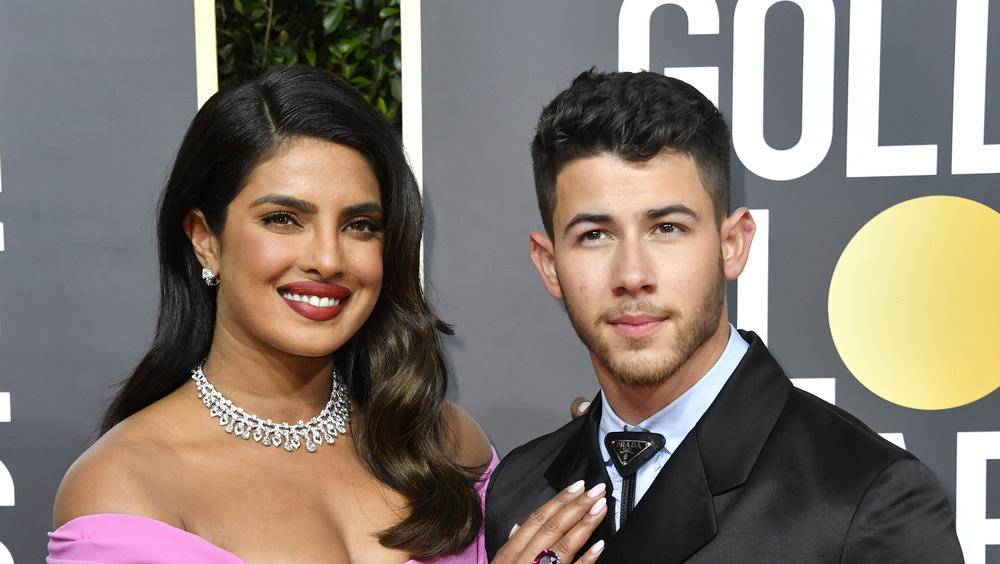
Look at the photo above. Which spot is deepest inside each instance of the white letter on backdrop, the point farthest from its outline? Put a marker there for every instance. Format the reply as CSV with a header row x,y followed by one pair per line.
x,y
865,157
6,482
633,40
975,531
969,153
5,557
819,18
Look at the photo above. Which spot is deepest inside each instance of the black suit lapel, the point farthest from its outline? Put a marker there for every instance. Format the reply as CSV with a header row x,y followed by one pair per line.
x,y
673,519
736,426
581,459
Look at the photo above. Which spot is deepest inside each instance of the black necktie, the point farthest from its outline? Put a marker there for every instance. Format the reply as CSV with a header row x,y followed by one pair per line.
x,y
630,450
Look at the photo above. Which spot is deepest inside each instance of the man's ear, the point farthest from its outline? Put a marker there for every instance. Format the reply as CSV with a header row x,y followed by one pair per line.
x,y
736,233
203,240
545,261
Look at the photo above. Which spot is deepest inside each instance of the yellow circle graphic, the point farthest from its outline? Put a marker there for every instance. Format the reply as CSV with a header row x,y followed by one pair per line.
x,y
915,303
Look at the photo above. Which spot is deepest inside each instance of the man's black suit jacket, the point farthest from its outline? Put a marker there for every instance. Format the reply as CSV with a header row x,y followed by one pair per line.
x,y
769,474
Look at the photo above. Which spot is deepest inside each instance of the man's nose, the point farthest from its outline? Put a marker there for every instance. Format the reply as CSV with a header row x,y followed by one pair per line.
x,y
633,272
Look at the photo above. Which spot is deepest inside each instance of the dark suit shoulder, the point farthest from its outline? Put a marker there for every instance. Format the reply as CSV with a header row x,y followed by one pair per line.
x,y
902,512
904,516
837,431
825,454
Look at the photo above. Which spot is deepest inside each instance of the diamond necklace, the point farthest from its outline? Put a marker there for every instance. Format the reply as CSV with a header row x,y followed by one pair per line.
x,y
323,428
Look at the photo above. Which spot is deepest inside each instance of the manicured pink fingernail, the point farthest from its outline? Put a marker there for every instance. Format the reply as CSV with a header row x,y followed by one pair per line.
x,y
598,506
597,548
596,490
575,487
512,530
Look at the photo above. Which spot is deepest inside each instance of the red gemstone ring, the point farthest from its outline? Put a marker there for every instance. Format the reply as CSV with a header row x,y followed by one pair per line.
x,y
547,556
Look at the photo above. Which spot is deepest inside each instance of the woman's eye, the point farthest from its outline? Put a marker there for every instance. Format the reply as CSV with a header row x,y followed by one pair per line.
x,y
364,225
282,219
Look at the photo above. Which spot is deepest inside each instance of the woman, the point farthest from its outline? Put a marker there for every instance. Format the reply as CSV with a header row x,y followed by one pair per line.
x,y
289,235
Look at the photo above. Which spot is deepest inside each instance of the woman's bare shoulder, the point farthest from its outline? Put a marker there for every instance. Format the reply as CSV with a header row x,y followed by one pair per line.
x,y
120,473
465,441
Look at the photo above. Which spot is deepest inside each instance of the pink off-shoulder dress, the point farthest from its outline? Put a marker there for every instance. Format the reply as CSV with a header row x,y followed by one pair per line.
x,y
113,538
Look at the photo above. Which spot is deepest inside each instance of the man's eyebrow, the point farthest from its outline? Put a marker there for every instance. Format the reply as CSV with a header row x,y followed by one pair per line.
x,y
672,209
586,218
289,201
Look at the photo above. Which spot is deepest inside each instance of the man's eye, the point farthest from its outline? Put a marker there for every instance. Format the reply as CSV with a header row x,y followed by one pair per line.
x,y
593,235
667,228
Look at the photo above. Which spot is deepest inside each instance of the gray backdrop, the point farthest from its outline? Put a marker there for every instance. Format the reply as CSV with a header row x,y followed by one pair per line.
x,y
94,97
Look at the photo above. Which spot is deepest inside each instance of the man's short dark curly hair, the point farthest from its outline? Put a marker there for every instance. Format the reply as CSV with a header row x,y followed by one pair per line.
x,y
634,116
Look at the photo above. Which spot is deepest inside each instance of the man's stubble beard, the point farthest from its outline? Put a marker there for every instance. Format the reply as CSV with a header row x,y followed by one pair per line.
x,y
634,370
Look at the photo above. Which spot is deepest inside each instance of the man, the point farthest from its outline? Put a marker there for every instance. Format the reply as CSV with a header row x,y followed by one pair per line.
x,y
710,453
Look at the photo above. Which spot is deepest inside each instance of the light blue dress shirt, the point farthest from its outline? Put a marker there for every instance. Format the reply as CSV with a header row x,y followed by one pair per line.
x,y
674,421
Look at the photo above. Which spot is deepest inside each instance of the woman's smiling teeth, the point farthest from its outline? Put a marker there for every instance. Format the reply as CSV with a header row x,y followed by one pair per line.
x,y
311,300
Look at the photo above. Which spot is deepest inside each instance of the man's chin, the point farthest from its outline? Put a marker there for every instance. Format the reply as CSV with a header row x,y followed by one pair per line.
x,y
641,368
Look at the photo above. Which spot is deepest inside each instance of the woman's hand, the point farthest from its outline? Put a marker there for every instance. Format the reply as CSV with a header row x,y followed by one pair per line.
x,y
562,525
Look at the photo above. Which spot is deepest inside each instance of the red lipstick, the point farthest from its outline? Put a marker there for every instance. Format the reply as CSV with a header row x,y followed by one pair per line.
x,y
317,301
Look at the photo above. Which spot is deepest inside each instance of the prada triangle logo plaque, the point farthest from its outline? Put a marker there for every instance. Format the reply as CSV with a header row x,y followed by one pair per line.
x,y
631,449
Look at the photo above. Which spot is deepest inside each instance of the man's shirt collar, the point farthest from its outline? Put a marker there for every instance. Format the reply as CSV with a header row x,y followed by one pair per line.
x,y
677,419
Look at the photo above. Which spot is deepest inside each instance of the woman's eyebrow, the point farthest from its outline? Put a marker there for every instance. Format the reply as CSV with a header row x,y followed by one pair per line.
x,y
368,207
289,201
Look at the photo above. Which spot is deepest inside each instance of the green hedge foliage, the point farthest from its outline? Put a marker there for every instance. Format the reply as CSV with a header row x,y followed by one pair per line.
x,y
357,39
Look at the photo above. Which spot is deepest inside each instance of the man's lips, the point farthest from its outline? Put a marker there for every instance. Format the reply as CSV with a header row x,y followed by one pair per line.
x,y
317,301
636,325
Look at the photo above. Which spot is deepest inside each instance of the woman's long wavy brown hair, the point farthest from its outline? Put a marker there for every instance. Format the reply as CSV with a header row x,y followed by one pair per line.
x,y
395,365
